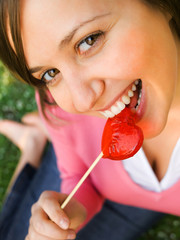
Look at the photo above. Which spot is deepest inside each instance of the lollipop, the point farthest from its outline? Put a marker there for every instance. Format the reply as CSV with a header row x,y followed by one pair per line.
x,y
121,139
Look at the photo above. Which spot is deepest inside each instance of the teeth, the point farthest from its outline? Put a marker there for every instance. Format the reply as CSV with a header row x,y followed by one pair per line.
x,y
115,110
133,88
109,114
130,93
136,82
120,105
139,100
104,114
126,100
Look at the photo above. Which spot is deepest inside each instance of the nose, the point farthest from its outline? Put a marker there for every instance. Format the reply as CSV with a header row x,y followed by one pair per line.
x,y
84,88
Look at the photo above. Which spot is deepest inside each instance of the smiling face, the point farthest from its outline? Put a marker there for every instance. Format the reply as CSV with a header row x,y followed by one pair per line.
x,y
92,53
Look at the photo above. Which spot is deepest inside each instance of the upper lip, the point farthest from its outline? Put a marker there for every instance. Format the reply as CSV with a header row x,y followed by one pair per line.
x,y
109,105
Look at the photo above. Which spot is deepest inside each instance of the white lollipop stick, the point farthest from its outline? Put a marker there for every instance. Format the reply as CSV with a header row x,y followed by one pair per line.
x,y
81,180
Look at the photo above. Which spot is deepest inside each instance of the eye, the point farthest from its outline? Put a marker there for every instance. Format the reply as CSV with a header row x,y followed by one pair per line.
x,y
50,76
90,42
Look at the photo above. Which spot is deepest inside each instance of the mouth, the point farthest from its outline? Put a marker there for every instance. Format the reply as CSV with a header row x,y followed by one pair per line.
x,y
131,99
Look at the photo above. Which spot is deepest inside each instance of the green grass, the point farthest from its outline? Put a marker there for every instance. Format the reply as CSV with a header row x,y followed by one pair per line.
x,y
16,99
167,229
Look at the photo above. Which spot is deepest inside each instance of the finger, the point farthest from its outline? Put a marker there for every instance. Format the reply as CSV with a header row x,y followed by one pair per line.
x,y
49,201
33,235
44,226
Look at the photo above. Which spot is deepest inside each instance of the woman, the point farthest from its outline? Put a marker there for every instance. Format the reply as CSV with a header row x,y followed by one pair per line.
x,y
95,58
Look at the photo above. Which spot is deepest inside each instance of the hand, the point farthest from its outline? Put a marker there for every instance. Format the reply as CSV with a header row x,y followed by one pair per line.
x,y
50,222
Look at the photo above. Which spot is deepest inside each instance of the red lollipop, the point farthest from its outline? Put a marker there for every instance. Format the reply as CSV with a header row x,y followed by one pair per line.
x,y
121,137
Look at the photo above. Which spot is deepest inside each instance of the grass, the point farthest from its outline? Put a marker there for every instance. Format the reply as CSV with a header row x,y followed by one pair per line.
x,y
16,99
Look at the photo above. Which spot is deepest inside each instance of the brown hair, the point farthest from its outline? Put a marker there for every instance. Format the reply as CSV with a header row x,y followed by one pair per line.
x,y
14,59
170,6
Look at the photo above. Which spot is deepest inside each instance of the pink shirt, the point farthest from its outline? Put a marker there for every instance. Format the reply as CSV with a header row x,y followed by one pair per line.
x,y
77,143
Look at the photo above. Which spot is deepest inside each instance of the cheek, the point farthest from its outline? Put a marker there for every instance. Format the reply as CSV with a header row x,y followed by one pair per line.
x,y
154,60
62,98
141,51
129,55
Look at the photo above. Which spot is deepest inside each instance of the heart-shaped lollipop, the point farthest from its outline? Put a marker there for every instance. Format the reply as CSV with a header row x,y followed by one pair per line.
x,y
121,137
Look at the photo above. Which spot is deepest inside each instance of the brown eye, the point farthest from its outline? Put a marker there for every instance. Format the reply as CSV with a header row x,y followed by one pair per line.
x,y
89,42
49,75
52,72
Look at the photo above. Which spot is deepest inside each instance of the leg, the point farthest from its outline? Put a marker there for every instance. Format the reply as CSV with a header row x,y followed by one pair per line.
x,y
16,223
117,221
27,137
34,174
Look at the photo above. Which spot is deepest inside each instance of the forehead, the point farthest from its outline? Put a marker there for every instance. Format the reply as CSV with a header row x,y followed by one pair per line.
x,y
61,11
49,20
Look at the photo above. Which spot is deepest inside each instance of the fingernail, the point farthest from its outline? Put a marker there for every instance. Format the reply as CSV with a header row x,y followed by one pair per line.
x,y
64,223
71,234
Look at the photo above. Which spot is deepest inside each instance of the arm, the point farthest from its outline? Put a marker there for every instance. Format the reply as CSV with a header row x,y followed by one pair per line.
x,y
66,140
48,220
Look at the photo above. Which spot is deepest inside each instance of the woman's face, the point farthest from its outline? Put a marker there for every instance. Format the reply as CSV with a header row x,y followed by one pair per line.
x,y
91,54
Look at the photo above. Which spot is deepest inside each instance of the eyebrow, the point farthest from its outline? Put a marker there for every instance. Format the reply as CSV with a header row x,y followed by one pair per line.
x,y
70,36
67,39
